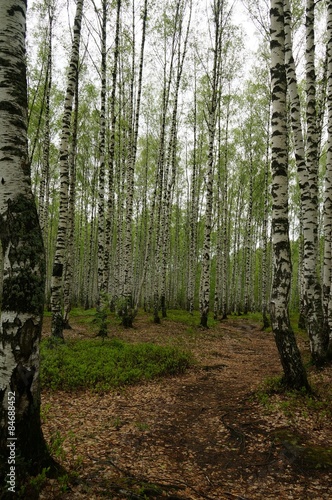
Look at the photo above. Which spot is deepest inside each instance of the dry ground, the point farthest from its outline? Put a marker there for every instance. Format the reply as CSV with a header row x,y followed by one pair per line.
x,y
201,435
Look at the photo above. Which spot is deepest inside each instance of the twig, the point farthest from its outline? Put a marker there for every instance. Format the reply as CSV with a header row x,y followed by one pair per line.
x,y
235,496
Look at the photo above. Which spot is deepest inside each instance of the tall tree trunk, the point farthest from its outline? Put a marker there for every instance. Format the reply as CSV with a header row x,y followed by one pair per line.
x,y
266,322
294,372
44,188
69,263
327,268
162,174
45,174
193,214
312,288
172,149
297,128
307,160
23,267
225,223
248,235
102,284
128,311
58,267
212,115
111,151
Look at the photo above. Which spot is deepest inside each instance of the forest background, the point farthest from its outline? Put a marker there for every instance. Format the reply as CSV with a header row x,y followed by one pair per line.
x,y
168,174
151,155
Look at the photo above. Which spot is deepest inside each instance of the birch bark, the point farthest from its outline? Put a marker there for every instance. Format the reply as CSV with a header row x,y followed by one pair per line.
x,y
218,7
294,372
129,311
102,285
307,161
23,259
327,267
58,267
312,289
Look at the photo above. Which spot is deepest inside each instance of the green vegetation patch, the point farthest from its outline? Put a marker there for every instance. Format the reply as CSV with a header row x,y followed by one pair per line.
x,y
307,455
104,365
182,316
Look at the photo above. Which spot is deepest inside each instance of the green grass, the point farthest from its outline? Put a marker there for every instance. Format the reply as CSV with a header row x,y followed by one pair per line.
x,y
80,312
104,365
182,316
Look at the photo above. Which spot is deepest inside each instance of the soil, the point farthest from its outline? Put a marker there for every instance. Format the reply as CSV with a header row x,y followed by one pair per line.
x,y
211,433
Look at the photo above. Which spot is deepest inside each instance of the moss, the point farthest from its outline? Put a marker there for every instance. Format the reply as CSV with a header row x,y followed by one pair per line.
x,y
318,457
307,455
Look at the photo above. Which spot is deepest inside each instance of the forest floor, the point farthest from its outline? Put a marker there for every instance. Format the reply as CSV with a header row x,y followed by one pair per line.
x,y
214,432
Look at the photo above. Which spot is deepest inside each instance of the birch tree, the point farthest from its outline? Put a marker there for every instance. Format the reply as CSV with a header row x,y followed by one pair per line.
x,y
128,311
171,160
212,108
307,162
45,174
312,289
111,151
294,372
327,267
193,210
169,27
23,263
58,267
102,283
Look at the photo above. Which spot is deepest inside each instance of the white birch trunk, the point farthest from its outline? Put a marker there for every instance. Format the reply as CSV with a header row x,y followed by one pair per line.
x,y
327,266
129,312
102,283
23,262
58,267
193,216
69,263
172,149
294,372
111,154
312,288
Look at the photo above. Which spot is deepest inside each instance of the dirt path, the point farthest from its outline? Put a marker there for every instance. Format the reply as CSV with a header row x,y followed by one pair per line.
x,y
201,435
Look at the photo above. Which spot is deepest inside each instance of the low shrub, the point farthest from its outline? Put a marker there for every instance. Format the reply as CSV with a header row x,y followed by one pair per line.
x,y
103,365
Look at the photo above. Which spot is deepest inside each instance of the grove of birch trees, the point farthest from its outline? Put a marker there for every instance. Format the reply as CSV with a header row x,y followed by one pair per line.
x,y
175,165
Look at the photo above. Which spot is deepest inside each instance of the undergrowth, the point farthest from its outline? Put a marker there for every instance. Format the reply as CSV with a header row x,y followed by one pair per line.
x,y
273,395
184,317
103,365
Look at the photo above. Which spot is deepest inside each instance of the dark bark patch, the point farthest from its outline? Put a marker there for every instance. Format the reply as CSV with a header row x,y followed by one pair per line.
x,y
17,8
57,270
23,283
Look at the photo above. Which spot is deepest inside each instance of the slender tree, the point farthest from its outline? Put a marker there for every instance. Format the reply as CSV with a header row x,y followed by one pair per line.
x,y
169,28
193,210
294,371
102,281
45,174
129,311
70,237
171,159
307,162
312,302
111,151
58,267
213,104
327,268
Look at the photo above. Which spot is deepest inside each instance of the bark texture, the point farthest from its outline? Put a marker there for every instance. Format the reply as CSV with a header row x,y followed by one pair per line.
x,y
294,372
23,262
58,267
